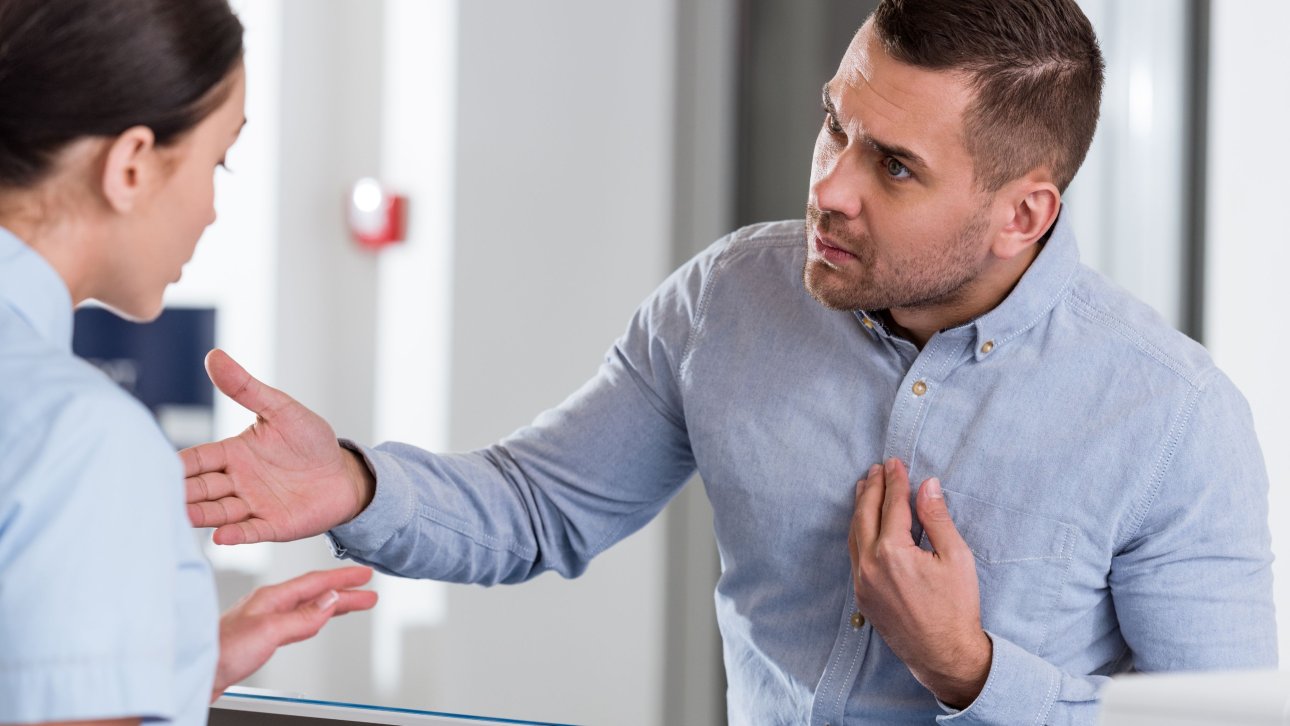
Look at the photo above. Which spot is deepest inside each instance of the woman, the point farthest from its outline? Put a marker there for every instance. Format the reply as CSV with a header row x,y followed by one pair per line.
x,y
114,115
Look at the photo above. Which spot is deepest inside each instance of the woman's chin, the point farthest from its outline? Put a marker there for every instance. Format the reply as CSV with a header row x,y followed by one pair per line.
x,y
135,311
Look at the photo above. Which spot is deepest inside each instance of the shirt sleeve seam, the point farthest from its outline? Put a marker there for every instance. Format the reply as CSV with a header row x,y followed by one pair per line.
x,y
735,242
1182,424
705,295
654,400
1087,310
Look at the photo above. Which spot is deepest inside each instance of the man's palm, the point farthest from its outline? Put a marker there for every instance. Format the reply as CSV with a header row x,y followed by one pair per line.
x,y
283,478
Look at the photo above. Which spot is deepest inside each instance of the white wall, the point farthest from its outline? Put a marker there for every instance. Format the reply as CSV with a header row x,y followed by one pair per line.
x,y
1249,241
563,225
1127,200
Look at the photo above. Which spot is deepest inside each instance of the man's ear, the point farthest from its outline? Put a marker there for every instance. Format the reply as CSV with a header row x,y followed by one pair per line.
x,y
1032,204
127,167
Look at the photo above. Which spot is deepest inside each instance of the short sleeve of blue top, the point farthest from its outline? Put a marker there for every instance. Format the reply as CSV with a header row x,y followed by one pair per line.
x,y
107,608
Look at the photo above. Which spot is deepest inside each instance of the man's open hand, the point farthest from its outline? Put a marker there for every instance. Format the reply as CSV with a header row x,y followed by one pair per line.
x,y
926,605
284,478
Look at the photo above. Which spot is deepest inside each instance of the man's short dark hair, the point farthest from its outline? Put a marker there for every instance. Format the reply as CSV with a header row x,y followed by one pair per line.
x,y
1036,69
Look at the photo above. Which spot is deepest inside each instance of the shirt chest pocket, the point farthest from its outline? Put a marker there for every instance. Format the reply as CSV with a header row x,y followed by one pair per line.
x,y
1022,562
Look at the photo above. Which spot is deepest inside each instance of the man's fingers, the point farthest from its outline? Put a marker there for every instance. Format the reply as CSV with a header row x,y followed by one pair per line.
x,y
935,516
233,381
853,541
897,518
248,531
867,520
853,531
204,458
221,512
208,487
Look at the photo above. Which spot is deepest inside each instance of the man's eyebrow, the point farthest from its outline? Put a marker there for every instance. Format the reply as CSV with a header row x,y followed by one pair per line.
x,y
905,155
886,149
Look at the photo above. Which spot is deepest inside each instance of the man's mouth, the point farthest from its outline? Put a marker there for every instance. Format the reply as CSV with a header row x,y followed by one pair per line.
x,y
831,253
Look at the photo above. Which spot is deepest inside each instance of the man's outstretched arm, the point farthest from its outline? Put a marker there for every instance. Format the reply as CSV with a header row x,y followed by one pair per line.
x,y
551,496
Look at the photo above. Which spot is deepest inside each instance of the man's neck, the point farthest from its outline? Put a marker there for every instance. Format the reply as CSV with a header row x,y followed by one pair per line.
x,y
974,299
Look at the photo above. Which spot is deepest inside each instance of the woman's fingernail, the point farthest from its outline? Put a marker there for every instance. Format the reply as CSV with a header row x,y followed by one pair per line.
x,y
328,599
874,470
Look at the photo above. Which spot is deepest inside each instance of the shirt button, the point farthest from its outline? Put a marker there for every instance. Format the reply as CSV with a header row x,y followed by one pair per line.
x,y
987,347
868,323
919,388
857,620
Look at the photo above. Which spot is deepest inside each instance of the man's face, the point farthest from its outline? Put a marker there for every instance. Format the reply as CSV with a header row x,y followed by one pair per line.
x,y
893,217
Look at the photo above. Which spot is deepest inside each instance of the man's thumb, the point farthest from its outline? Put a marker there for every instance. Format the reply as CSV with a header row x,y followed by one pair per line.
x,y
233,381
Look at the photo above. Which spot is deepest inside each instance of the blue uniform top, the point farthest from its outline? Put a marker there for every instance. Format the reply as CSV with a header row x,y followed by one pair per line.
x,y
107,608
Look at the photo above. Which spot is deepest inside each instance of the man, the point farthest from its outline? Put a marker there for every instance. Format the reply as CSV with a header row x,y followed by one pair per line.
x,y
1092,495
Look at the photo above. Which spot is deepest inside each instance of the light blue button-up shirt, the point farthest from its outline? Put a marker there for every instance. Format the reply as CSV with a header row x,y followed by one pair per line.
x,y
107,609
1105,474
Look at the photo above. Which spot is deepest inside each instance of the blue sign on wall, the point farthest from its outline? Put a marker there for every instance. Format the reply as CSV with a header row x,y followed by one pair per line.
x,y
159,363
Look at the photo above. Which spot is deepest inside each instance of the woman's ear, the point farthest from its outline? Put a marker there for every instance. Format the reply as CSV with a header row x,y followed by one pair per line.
x,y
1032,209
128,167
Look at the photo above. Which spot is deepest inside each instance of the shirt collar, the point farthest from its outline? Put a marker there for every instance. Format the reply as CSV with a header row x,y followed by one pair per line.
x,y
1038,291
1044,283
31,287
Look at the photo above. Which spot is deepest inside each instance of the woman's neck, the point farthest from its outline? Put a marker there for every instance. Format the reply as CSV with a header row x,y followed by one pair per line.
x,y
59,239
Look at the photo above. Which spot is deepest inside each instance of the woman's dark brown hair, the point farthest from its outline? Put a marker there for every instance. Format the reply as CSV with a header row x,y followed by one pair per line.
x,y
76,68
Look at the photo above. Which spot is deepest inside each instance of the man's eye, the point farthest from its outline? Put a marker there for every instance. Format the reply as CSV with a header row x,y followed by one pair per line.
x,y
831,122
895,169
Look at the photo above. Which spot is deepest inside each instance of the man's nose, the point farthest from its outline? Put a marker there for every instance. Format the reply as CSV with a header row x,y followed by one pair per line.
x,y
839,188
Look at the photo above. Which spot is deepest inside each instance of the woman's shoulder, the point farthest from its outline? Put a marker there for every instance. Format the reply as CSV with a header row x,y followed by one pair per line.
x,y
59,412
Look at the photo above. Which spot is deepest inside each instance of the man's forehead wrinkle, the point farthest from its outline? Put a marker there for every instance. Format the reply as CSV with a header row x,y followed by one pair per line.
x,y
873,112
858,79
853,73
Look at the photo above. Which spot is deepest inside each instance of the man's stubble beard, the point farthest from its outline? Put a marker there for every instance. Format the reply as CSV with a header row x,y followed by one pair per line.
x,y
921,284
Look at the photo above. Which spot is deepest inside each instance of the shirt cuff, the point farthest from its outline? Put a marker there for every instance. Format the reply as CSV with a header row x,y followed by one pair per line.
x,y
390,510
1020,688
